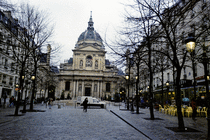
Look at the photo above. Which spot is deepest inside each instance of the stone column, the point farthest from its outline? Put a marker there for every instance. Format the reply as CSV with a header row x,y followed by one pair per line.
x,y
92,89
74,89
77,92
101,87
98,90
83,86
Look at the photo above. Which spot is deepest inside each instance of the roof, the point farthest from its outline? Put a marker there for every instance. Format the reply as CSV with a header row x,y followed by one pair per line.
x,y
54,69
90,33
70,61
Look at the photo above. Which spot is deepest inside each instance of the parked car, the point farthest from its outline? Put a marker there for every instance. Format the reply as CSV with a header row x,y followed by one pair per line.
x,y
92,101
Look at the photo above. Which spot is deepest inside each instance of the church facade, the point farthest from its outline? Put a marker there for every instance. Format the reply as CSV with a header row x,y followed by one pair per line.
x,y
88,73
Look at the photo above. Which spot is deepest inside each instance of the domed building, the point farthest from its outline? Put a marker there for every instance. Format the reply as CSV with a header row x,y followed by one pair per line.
x,y
88,72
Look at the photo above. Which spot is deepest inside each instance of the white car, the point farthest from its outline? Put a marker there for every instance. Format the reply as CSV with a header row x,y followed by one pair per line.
x,y
92,101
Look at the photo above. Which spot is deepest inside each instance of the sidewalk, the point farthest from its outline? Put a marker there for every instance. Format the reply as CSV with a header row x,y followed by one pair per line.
x,y
156,129
6,111
7,114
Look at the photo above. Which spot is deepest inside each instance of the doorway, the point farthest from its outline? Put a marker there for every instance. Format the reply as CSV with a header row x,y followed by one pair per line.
x,y
51,92
87,91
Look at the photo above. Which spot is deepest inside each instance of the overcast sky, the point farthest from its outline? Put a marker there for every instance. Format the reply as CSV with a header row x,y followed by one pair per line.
x,y
71,19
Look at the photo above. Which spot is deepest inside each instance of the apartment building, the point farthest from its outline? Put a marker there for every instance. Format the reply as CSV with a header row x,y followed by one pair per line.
x,y
194,22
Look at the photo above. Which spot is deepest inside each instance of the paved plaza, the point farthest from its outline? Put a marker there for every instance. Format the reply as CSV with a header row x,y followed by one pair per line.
x,y
67,123
114,122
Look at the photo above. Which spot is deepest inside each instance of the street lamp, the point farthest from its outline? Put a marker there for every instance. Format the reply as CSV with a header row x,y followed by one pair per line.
x,y
17,103
33,77
127,77
167,86
32,97
137,95
24,106
190,45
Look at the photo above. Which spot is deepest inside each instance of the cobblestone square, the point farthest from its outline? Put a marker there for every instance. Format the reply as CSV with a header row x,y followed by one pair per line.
x,y
68,123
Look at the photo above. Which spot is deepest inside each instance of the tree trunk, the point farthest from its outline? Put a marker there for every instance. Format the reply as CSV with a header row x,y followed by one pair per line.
x,y
150,82
18,99
207,92
137,91
179,101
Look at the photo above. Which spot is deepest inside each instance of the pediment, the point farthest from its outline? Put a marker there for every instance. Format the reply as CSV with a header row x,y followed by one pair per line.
x,y
89,48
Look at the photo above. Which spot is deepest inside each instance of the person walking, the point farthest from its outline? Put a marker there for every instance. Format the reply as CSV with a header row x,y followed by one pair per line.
x,y
11,101
85,104
49,104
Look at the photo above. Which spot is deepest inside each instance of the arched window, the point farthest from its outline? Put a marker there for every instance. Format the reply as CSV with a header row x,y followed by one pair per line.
x,y
89,61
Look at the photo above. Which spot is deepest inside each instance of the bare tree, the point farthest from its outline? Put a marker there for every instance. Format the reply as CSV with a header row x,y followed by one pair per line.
x,y
166,17
38,29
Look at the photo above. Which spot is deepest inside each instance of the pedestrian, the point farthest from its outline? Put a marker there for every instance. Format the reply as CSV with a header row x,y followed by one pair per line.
x,y
11,102
46,104
193,104
49,104
85,104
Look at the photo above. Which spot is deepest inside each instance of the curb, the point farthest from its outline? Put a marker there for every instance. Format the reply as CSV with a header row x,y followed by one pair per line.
x,y
130,125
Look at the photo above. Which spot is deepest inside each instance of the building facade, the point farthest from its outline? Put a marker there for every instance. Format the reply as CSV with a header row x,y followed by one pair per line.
x,y
195,21
8,67
88,73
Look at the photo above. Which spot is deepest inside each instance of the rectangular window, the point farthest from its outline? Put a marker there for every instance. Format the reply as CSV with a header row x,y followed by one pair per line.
x,y
157,81
4,79
10,81
107,87
168,77
67,86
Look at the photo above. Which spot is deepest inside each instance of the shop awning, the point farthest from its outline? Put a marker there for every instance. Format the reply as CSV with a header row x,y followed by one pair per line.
x,y
192,87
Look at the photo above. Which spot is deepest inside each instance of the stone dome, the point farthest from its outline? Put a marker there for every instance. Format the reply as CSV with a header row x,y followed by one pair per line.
x,y
90,34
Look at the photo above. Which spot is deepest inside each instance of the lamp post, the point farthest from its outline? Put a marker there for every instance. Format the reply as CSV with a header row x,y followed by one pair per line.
x,y
24,106
132,108
32,97
137,95
190,44
17,103
127,77
167,86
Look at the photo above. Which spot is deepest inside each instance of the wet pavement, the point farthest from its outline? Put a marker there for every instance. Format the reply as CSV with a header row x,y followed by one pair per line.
x,y
157,129
67,123
114,122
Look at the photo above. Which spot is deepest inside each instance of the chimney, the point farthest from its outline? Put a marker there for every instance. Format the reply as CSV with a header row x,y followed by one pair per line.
x,y
8,14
